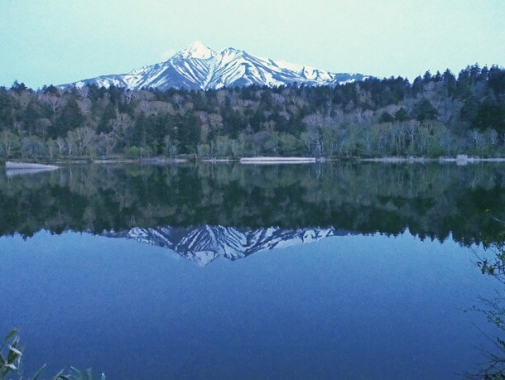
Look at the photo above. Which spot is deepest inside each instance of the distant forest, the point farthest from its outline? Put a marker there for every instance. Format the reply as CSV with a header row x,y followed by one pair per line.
x,y
435,115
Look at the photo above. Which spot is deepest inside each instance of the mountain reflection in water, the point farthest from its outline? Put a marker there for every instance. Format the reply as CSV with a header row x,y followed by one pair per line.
x,y
206,243
431,201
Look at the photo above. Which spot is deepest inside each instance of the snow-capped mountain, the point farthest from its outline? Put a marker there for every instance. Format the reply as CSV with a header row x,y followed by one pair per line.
x,y
199,67
206,243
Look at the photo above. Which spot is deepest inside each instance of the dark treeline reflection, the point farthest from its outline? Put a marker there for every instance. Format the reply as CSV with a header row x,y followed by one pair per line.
x,y
435,201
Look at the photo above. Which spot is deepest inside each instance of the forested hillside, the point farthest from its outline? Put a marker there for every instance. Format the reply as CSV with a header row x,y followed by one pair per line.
x,y
435,115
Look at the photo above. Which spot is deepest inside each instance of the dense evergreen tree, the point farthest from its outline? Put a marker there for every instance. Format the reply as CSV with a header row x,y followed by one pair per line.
x,y
424,110
68,119
108,115
386,117
496,81
449,81
19,87
402,115
6,109
490,114
189,133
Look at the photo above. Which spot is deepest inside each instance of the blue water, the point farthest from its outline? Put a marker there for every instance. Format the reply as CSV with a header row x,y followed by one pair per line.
x,y
370,307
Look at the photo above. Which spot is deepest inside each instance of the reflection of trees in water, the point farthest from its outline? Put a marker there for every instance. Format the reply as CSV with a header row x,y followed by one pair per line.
x,y
432,201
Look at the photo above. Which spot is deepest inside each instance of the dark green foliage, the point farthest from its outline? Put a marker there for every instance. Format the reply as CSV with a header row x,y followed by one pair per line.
x,y
386,117
68,119
30,115
496,81
233,122
449,81
469,110
417,86
468,80
402,115
115,94
19,87
345,94
201,102
96,92
6,109
427,77
490,114
188,133
149,131
108,114
50,90
424,110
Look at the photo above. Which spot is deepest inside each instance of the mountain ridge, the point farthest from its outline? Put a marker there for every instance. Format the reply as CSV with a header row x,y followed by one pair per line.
x,y
198,67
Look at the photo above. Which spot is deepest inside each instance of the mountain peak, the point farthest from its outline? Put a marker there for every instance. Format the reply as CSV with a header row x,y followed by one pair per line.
x,y
199,67
198,50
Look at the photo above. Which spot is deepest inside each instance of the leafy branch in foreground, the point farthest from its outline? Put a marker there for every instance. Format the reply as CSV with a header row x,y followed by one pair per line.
x,y
10,363
10,355
494,366
494,310
494,267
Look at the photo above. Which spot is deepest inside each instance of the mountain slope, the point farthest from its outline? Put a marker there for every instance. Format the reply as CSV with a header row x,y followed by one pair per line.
x,y
199,67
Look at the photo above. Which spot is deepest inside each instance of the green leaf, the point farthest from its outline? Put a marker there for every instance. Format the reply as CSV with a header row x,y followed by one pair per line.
x,y
60,376
15,350
11,366
12,357
38,372
10,334
89,374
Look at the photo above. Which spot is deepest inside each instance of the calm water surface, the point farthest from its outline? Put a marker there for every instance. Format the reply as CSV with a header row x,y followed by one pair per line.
x,y
228,271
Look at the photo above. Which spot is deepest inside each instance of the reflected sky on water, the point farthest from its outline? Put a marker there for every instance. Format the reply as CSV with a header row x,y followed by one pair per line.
x,y
343,307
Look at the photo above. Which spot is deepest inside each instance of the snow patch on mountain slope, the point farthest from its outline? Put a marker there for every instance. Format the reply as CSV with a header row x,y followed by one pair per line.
x,y
199,67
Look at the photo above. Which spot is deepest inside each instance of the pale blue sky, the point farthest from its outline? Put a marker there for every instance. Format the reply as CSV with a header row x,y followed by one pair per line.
x,y
59,41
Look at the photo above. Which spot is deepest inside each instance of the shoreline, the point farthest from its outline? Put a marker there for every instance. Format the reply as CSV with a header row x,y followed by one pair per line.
x,y
23,168
277,160
459,160
12,166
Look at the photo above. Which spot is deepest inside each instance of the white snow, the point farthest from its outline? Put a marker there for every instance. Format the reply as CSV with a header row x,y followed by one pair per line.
x,y
289,66
206,69
228,55
198,50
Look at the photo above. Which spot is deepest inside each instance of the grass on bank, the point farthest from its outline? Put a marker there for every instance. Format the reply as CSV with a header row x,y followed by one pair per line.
x,y
11,368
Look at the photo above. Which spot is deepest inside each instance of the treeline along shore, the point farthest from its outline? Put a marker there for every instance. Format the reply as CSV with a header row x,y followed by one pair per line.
x,y
462,203
435,115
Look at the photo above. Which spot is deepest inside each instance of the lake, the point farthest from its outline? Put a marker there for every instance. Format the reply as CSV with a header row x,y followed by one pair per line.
x,y
215,271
